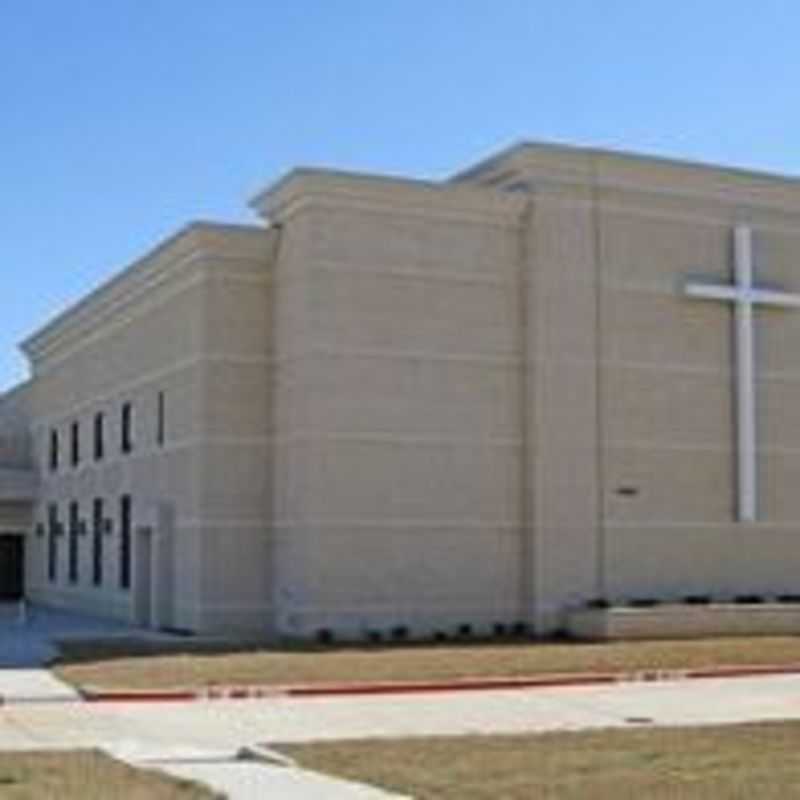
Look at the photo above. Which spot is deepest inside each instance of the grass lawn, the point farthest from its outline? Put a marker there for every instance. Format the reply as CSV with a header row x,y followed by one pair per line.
x,y
86,775
742,762
148,665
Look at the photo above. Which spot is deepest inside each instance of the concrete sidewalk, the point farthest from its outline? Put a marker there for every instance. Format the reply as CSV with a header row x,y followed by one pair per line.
x,y
199,740
59,727
227,725
160,735
34,686
246,779
28,639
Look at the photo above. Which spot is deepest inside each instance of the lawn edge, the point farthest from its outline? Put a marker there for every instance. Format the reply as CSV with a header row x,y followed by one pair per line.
x,y
548,680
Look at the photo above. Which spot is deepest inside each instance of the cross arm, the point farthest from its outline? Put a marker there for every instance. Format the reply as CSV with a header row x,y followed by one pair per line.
x,y
774,298
708,291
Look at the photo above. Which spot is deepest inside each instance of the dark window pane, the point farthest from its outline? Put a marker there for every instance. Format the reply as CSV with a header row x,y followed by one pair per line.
x,y
53,450
97,542
74,523
99,437
127,428
75,438
125,542
52,543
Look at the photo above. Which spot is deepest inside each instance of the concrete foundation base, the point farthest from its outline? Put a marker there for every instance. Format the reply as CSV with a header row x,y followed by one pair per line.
x,y
685,621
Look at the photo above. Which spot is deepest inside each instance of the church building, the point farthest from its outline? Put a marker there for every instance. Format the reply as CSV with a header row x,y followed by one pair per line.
x,y
563,376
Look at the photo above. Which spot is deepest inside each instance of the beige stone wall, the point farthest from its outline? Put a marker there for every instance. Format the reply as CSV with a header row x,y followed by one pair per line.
x,y
398,487
630,383
637,230
669,406
233,528
161,327
152,342
291,457
430,405
450,370
561,405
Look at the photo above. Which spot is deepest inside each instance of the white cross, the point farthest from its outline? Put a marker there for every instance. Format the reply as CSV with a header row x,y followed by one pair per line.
x,y
744,296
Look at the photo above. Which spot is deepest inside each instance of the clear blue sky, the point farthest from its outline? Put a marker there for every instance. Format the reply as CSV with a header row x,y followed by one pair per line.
x,y
120,120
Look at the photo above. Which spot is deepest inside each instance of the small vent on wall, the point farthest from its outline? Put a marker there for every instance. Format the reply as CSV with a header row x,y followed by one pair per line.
x,y
627,491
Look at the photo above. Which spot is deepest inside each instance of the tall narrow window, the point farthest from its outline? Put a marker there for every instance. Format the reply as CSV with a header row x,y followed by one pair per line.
x,y
97,542
74,523
75,443
127,428
99,436
125,542
52,543
53,450
162,422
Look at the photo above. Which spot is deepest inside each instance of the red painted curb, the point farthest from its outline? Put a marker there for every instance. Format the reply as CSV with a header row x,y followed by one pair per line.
x,y
332,690
465,685
145,696
181,695
423,687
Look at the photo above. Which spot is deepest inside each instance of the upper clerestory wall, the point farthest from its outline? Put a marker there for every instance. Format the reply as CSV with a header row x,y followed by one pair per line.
x,y
199,241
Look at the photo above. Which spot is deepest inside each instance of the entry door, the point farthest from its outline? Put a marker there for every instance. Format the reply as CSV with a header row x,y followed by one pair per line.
x,y
144,577
12,566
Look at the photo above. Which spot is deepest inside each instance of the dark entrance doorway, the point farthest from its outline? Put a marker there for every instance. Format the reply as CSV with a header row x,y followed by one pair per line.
x,y
12,566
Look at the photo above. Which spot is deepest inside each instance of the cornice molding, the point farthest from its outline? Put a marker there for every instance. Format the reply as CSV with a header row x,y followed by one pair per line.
x,y
302,188
542,165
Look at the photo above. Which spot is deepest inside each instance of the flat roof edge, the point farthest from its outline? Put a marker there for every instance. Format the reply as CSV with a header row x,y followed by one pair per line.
x,y
518,150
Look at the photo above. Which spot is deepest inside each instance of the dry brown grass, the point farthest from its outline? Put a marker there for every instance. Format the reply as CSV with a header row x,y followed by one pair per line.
x,y
86,775
745,762
134,665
